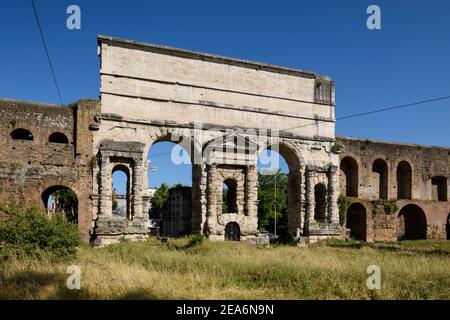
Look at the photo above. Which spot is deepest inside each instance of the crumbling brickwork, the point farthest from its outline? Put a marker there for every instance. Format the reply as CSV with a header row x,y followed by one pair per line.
x,y
33,163
405,187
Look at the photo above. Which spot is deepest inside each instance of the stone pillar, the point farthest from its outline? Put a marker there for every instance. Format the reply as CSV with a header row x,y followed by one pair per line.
x,y
105,205
333,195
198,216
294,199
251,179
137,189
310,201
145,206
302,200
211,219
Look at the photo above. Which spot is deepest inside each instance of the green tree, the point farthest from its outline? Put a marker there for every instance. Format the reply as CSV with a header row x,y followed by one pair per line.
x,y
225,200
159,202
67,203
267,201
30,231
114,203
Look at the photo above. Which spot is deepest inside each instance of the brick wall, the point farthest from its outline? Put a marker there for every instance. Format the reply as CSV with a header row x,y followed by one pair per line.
x,y
28,168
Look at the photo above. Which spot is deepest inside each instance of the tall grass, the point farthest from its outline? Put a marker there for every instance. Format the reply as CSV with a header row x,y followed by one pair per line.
x,y
192,269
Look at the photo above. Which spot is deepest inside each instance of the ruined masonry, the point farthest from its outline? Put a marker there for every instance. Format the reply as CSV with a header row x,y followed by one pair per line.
x,y
224,112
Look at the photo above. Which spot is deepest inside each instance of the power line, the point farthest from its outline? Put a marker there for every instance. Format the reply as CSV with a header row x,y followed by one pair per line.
x,y
393,108
356,115
46,51
159,154
377,111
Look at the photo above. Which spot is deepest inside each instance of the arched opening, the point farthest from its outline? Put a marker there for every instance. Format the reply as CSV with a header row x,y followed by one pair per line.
x,y
412,223
229,196
172,199
279,190
380,169
121,206
439,188
404,180
58,137
349,177
447,226
22,134
320,198
232,232
356,221
61,200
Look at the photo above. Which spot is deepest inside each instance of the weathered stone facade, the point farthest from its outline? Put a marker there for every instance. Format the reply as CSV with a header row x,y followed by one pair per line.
x,y
33,166
396,190
225,112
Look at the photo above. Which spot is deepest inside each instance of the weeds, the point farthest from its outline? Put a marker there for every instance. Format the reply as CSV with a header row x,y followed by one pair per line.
x,y
190,268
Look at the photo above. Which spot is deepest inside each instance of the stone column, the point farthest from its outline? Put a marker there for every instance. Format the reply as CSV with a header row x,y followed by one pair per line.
x,y
105,205
211,218
198,216
145,206
137,189
251,178
310,201
294,200
302,199
252,197
333,194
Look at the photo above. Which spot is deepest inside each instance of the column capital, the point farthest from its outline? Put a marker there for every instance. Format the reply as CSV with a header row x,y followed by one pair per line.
x,y
333,169
310,170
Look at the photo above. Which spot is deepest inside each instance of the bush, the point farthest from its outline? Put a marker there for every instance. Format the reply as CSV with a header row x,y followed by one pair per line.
x,y
343,207
31,232
337,148
389,206
195,240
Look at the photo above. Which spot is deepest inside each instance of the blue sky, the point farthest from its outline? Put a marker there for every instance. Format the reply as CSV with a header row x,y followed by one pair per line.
x,y
406,61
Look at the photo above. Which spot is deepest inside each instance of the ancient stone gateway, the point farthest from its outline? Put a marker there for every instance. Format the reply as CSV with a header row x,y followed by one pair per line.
x,y
224,112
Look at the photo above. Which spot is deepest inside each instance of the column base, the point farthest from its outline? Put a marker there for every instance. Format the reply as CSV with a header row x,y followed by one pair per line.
x,y
320,231
111,230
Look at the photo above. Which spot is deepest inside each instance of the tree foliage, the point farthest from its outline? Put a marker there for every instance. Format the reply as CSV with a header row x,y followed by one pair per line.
x,y
224,200
267,202
159,202
30,231
67,203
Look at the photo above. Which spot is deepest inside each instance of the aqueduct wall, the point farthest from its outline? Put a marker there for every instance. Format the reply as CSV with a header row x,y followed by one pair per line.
x,y
32,164
414,178
224,112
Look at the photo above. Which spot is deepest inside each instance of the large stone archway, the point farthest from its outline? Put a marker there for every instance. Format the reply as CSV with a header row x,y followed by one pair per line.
x,y
224,112
296,181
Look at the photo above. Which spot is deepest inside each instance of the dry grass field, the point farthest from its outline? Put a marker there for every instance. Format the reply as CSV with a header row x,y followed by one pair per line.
x,y
228,270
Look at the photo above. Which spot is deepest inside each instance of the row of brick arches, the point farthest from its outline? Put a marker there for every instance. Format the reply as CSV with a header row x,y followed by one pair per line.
x,y
411,222
26,135
350,180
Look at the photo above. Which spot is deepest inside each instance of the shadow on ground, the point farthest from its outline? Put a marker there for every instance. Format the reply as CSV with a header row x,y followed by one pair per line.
x,y
52,286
